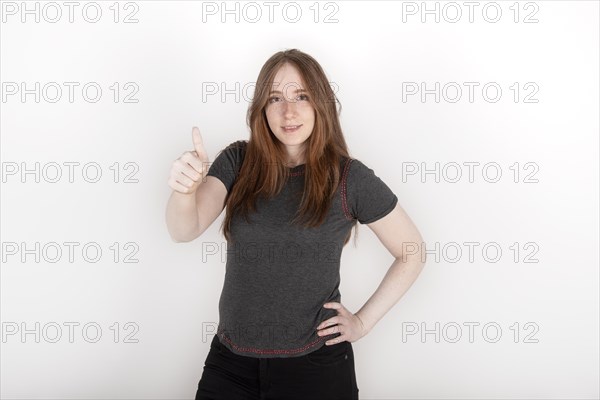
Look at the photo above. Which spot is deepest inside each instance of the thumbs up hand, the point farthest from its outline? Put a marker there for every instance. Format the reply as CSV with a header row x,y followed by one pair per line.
x,y
189,170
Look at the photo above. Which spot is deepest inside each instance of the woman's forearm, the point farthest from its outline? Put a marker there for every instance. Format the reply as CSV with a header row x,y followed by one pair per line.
x,y
182,217
398,279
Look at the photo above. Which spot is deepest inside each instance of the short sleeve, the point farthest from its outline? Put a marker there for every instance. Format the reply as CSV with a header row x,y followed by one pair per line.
x,y
368,197
227,163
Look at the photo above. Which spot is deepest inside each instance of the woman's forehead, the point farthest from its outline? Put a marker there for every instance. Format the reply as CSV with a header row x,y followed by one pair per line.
x,y
287,75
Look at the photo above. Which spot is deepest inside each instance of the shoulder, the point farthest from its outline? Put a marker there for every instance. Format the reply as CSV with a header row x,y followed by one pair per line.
x,y
368,197
234,152
227,163
230,157
355,170
236,146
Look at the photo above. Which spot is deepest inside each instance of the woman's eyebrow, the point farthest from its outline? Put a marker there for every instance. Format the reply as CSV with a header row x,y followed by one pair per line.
x,y
296,91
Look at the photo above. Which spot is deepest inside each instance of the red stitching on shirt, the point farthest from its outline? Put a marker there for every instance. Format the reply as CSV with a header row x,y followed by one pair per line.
x,y
344,204
262,351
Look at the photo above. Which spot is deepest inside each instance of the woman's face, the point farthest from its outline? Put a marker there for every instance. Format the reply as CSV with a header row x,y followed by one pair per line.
x,y
288,106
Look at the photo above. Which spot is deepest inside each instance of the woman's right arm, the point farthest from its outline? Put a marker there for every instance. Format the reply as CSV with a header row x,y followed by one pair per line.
x,y
197,199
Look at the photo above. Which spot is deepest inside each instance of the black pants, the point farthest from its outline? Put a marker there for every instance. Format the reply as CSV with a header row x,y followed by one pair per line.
x,y
327,373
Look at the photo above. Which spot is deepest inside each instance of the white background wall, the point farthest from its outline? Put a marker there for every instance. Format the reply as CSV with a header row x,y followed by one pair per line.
x,y
542,214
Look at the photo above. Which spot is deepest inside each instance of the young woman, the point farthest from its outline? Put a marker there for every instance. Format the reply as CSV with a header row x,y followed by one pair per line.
x,y
292,195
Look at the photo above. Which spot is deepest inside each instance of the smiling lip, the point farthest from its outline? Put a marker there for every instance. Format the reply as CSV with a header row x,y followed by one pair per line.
x,y
291,128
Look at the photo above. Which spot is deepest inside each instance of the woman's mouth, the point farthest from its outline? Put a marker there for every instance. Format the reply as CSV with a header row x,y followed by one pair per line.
x,y
291,128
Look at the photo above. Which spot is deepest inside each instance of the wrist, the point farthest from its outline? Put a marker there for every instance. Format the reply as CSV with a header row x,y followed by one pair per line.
x,y
366,328
185,195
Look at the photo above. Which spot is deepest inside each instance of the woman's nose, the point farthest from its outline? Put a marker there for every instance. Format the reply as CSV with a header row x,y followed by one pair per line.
x,y
289,107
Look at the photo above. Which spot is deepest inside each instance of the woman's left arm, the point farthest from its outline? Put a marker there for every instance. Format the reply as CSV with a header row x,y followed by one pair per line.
x,y
400,236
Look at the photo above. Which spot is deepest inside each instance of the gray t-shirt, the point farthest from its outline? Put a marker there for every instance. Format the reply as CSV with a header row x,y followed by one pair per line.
x,y
278,275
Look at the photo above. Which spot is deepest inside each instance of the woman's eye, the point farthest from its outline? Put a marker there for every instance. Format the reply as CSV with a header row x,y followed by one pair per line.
x,y
277,99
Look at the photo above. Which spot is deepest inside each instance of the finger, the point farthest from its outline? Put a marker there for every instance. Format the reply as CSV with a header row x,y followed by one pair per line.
x,y
336,340
330,331
194,162
189,171
179,187
329,322
184,180
178,176
333,305
198,143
